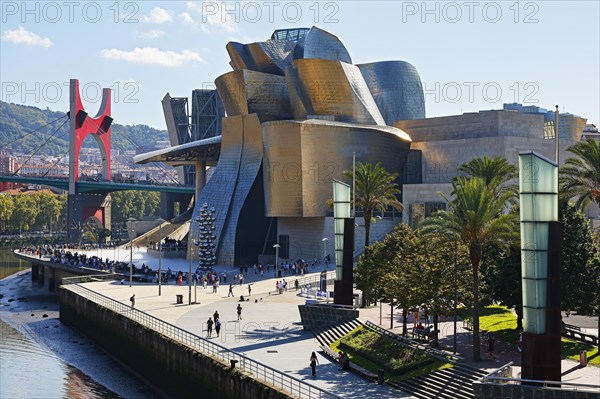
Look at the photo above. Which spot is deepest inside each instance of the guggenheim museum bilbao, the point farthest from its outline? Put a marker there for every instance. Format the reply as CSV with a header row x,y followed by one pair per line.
x,y
265,146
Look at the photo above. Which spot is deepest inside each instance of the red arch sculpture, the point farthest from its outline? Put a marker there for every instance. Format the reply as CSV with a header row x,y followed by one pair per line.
x,y
82,125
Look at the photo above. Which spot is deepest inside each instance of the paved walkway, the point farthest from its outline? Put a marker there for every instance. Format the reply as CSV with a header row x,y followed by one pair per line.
x,y
270,329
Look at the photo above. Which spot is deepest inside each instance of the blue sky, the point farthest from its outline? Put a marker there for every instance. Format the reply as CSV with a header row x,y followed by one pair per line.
x,y
470,55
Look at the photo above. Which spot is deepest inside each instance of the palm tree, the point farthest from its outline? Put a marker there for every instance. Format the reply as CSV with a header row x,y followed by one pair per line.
x,y
376,190
474,218
580,177
497,173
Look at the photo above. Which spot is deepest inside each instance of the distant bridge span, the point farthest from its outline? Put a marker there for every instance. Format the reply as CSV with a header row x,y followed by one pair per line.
x,y
84,186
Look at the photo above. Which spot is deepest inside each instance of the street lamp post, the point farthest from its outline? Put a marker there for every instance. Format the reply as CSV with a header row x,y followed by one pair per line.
x,y
190,275
324,253
160,256
276,246
190,280
131,220
455,300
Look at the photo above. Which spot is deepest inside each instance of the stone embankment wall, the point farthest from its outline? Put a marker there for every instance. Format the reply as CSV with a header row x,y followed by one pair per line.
x,y
176,369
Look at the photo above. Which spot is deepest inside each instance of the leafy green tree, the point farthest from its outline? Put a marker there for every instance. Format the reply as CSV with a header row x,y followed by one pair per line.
x,y
580,263
377,273
435,280
136,204
474,218
49,208
376,190
580,176
25,211
6,210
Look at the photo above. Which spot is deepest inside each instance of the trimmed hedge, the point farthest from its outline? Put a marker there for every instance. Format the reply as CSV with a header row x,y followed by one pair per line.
x,y
392,356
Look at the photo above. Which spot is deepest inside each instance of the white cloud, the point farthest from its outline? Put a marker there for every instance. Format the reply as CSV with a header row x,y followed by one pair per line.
x,y
23,36
158,16
130,81
151,34
217,18
153,56
186,19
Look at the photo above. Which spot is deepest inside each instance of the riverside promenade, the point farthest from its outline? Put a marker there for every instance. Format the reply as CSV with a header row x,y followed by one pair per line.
x,y
269,331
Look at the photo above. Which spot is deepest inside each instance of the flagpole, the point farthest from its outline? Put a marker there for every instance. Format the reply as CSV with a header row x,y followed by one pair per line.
x,y
353,184
556,135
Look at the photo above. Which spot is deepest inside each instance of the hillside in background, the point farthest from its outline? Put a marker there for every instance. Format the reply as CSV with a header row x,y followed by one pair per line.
x,y
18,124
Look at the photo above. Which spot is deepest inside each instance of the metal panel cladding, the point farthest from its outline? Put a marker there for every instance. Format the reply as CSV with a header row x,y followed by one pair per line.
x,y
303,157
335,88
396,88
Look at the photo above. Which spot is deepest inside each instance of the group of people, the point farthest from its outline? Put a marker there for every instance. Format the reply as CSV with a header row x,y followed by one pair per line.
x,y
343,362
216,321
213,321
281,286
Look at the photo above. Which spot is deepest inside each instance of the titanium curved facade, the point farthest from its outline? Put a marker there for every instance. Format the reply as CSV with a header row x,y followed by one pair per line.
x,y
246,92
297,110
325,87
323,45
298,183
396,88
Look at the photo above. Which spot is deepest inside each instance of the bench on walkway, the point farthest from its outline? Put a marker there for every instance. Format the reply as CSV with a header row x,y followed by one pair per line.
x,y
353,367
419,333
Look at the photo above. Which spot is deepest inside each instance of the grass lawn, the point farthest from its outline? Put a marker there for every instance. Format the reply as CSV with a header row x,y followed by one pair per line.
x,y
503,323
370,365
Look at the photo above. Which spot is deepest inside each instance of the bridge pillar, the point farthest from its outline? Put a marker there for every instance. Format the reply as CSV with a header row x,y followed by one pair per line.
x,y
168,201
40,277
35,270
51,279
200,177
81,207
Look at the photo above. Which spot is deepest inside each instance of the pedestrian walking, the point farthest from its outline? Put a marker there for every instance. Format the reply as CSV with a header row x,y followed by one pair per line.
x,y
132,299
230,290
216,316
313,364
209,325
249,289
239,311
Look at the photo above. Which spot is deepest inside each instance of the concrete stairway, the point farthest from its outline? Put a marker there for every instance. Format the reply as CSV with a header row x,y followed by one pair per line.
x,y
330,334
451,383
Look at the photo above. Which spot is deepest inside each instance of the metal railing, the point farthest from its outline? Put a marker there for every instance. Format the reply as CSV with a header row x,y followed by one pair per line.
x,y
503,375
438,354
259,371
92,278
504,371
314,278
540,383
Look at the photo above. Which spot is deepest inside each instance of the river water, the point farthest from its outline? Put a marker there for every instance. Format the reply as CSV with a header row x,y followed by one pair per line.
x,y
42,358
